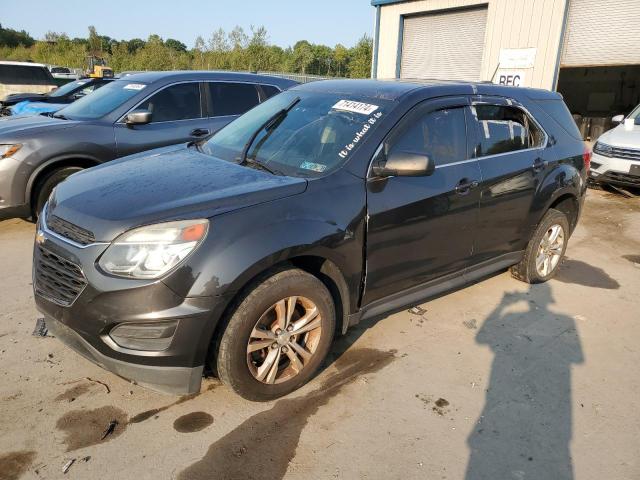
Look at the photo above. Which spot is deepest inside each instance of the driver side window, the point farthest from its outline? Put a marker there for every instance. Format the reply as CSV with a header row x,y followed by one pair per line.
x,y
177,102
441,135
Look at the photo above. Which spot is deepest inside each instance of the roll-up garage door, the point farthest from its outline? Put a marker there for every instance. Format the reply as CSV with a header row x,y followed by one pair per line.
x,y
605,32
444,45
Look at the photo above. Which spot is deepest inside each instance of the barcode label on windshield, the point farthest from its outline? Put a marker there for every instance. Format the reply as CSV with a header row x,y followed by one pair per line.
x,y
355,107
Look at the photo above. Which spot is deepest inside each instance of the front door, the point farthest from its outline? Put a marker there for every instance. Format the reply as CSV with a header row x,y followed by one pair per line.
x,y
177,116
422,228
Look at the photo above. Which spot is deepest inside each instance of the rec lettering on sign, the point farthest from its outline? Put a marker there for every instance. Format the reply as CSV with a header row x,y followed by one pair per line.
x,y
512,78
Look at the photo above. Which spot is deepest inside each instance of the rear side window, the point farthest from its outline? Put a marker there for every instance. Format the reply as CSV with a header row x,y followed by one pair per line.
x,y
440,134
504,129
25,75
557,110
232,98
177,102
269,91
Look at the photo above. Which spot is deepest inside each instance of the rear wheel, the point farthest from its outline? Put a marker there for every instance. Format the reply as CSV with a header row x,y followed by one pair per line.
x,y
277,337
46,185
545,250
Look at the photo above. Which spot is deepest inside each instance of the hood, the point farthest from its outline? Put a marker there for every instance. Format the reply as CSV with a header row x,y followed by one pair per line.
x,y
622,136
162,185
34,108
14,98
28,126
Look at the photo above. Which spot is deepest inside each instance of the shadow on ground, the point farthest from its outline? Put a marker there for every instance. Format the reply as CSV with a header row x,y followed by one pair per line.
x,y
525,427
580,273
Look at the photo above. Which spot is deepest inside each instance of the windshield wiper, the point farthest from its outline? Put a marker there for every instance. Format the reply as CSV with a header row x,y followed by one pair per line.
x,y
60,116
268,125
260,165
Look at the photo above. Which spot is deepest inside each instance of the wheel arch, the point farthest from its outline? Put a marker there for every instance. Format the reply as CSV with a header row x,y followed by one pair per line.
x,y
70,160
568,204
321,267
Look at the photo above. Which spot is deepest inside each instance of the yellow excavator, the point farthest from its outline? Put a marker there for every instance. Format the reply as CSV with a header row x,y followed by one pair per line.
x,y
97,68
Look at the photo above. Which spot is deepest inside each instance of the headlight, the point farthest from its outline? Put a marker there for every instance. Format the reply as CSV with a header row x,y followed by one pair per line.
x,y
151,251
8,150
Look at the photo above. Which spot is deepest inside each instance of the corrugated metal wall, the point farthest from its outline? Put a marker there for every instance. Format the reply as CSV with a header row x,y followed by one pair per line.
x,y
603,32
510,24
429,51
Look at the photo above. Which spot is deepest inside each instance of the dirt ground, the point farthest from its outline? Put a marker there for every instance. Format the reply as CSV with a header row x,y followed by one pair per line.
x,y
497,381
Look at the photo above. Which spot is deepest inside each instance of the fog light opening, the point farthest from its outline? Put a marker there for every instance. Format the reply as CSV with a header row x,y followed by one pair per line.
x,y
144,336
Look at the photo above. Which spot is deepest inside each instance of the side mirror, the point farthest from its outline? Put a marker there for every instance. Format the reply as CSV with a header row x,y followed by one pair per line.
x,y
618,119
405,164
139,117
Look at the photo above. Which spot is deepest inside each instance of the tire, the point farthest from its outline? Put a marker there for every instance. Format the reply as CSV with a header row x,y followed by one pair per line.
x,y
528,269
46,185
258,312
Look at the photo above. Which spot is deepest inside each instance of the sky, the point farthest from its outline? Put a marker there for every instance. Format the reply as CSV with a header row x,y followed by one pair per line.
x,y
319,21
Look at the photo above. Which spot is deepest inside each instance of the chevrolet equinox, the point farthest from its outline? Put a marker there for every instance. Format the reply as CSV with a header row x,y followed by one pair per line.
x,y
328,204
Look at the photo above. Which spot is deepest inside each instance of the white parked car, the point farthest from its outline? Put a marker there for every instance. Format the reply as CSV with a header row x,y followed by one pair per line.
x,y
24,77
63,73
616,154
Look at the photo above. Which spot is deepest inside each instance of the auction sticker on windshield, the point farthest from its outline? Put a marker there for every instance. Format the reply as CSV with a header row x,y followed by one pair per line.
x,y
134,86
355,107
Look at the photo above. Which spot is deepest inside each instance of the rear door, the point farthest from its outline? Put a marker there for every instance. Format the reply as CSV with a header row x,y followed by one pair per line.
x,y
177,116
512,158
422,228
226,101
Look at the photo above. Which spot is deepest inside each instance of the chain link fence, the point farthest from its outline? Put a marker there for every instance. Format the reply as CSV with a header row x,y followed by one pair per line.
x,y
298,77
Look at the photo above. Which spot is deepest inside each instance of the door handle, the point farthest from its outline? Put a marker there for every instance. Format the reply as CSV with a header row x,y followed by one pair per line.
x,y
200,132
465,185
538,165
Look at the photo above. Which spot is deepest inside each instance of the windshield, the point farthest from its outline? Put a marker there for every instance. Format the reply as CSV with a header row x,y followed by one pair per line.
x,y
102,101
67,88
635,115
318,134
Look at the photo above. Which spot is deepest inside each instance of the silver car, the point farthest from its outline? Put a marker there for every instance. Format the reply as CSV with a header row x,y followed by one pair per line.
x,y
616,154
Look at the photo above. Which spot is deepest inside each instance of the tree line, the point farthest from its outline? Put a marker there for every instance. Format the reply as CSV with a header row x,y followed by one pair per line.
x,y
234,50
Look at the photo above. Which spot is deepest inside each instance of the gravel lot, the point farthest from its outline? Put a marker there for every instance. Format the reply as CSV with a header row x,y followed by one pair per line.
x,y
497,381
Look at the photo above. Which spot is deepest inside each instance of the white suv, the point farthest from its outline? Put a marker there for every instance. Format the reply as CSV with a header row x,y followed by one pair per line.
x,y
616,154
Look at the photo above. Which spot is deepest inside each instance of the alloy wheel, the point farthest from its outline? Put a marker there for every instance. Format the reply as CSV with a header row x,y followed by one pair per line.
x,y
550,250
284,340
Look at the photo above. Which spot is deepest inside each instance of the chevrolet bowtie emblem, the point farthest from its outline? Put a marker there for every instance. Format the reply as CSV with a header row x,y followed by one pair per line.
x,y
40,237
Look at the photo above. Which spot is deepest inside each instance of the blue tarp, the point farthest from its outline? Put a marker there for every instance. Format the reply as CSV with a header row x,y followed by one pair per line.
x,y
34,108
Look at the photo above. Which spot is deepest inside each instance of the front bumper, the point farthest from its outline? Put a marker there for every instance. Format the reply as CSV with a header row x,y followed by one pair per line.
x,y
84,324
616,171
14,175
172,380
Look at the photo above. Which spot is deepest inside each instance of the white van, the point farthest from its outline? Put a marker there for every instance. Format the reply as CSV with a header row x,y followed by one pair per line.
x,y
24,77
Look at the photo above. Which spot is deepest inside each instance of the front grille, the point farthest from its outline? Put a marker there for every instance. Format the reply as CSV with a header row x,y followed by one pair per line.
x,y
626,153
616,152
69,230
56,278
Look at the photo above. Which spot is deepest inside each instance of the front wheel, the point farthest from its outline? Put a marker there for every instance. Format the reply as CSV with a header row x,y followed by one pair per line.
x,y
545,250
277,337
46,185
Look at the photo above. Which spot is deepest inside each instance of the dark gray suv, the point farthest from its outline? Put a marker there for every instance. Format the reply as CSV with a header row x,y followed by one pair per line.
x,y
136,113
330,203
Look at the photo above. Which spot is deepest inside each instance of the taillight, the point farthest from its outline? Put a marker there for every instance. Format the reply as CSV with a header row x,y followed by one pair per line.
x,y
586,157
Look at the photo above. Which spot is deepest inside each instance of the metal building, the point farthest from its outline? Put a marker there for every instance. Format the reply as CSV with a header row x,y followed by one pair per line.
x,y
588,50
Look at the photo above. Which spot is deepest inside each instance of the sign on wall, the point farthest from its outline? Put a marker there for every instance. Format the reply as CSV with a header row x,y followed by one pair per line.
x,y
517,57
516,65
